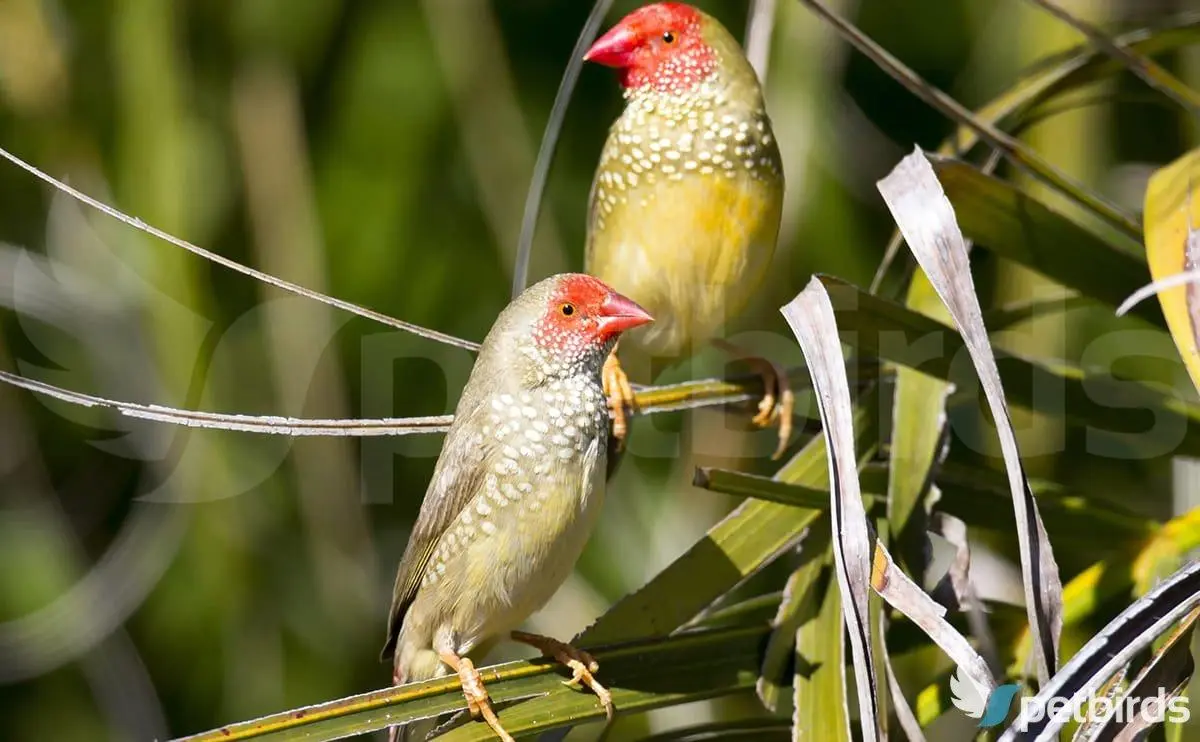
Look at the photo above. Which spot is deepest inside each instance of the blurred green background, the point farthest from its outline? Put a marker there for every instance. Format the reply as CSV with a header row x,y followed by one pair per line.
x,y
156,581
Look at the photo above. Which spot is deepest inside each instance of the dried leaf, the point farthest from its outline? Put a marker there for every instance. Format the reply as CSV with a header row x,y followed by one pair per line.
x,y
1108,651
811,318
926,219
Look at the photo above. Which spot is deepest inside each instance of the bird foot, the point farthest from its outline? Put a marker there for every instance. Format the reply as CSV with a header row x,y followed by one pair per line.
x,y
478,702
778,403
620,397
582,665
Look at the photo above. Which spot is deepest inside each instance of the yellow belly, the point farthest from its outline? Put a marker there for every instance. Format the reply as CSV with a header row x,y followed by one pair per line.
x,y
692,251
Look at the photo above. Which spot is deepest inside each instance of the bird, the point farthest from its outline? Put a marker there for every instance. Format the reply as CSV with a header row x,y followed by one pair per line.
x,y
686,201
515,491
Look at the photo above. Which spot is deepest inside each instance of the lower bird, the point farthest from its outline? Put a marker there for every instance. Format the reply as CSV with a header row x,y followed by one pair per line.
x,y
515,492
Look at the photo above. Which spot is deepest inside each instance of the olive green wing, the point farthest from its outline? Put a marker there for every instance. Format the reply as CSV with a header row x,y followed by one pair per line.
x,y
457,477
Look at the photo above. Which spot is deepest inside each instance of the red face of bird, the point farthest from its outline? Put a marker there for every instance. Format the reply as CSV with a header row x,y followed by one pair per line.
x,y
584,311
574,323
659,46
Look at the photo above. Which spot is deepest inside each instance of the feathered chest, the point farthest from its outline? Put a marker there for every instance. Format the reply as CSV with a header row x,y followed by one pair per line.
x,y
704,137
542,434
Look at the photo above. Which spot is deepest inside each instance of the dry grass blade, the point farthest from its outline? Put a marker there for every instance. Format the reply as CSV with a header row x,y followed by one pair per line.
x,y
904,713
545,157
233,265
652,400
907,597
926,219
958,577
1147,69
269,424
1108,651
1169,669
1013,149
811,318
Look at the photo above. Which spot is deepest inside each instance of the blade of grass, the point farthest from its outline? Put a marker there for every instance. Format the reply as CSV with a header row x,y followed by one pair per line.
x,y
810,315
233,265
819,684
927,220
1114,647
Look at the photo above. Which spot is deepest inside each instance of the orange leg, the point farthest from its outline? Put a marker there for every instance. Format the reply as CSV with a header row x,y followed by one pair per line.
x,y
620,396
478,702
582,665
778,403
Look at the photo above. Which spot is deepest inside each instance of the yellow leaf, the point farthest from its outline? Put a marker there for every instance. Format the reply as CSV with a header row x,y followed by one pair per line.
x,y
1171,216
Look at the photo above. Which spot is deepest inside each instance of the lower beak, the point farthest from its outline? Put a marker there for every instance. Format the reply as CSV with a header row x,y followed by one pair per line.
x,y
619,313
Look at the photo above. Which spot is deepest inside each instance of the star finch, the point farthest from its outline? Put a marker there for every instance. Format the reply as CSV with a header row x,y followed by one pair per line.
x,y
685,207
515,491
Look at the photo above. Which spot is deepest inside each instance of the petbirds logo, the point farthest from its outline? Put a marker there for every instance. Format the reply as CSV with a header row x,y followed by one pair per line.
x,y
969,699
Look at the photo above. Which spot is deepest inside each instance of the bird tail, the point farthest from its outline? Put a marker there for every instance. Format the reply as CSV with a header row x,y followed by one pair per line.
x,y
410,667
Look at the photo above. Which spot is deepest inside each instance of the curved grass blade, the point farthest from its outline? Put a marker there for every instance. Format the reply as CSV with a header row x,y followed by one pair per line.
x,y
233,265
1169,669
653,400
926,218
269,424
642,675
1111,649
958,576
810,315
1150,72
907,597
545,156
1014,150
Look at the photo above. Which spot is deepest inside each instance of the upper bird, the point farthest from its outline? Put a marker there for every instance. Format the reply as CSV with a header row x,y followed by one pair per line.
x,y
515,491
685,206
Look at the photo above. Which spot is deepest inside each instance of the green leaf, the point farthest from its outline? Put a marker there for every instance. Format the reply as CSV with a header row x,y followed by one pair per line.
x,y
642,675
819,685
1008,221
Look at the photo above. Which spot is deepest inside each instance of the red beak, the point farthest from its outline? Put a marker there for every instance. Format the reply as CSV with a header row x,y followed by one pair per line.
x,y
618,314
613,49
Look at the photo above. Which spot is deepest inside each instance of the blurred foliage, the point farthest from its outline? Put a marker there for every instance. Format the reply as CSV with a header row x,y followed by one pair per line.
x,y
378,150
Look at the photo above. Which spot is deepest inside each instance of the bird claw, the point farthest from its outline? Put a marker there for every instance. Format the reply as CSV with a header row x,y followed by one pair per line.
x,y
479,704
619,393
778,403
581,664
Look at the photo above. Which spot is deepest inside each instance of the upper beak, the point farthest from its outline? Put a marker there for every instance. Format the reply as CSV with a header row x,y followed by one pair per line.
x,y
614,48
619,313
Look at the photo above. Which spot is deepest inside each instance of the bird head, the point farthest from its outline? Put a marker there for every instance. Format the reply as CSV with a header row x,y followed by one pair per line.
x,y
567,324
664,47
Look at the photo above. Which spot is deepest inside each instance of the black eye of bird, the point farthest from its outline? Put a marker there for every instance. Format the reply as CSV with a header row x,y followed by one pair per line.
x,y
668,37
568,310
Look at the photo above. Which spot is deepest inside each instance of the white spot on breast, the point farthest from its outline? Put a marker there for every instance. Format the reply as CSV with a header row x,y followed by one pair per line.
x,y
487,527
482,508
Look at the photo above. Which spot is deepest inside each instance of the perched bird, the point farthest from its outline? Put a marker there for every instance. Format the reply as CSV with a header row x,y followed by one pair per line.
x,y
685,207
515,491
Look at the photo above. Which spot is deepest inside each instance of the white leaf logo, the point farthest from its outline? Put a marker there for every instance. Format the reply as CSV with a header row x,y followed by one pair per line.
x,y
965,695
